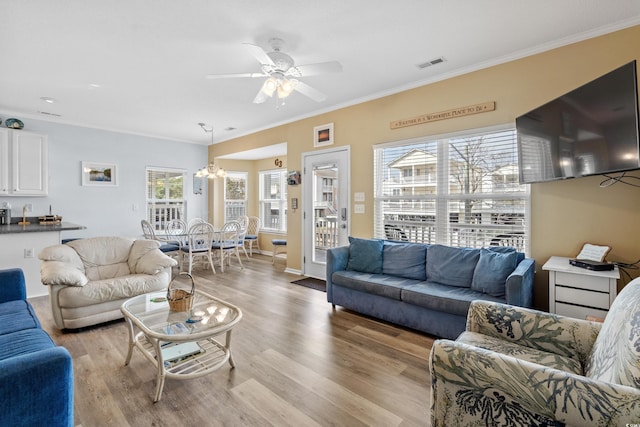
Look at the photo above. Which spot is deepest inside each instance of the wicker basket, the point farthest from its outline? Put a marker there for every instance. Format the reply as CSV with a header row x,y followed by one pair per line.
x,y
181,299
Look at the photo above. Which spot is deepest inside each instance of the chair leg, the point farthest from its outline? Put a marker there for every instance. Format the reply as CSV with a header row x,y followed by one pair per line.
x,y
211,263
239,260
222,260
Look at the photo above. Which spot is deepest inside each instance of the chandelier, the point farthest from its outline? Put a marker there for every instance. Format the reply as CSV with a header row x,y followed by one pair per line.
x,y
211,170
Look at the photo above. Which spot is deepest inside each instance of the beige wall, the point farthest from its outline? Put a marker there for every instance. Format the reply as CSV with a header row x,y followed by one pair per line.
x,y
253,169
565,214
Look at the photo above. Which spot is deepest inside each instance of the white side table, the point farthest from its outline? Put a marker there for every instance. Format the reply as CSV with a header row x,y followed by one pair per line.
x,y
579,292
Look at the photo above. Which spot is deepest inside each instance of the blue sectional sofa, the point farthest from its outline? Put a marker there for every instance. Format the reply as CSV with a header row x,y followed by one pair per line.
x,y
36,376
425,287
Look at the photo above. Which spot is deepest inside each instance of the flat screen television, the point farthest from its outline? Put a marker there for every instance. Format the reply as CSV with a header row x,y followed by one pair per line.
x,y
591,130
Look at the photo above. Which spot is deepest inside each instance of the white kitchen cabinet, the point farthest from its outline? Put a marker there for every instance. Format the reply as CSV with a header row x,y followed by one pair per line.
x,y
579,292
24,163
4,162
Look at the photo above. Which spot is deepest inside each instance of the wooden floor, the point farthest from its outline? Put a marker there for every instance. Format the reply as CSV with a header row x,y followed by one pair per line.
x,y
298,363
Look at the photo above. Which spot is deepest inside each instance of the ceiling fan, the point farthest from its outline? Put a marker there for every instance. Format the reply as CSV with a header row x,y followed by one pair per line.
x,y
282,74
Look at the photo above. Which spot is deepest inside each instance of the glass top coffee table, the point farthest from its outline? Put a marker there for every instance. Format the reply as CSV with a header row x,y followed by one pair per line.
x,y
180,344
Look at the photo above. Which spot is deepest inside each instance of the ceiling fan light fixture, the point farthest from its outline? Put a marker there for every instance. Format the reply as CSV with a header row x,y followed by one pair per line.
x,y
269,86
285,88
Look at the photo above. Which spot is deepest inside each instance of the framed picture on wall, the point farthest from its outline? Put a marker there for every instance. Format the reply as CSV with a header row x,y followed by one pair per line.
x,y
323,135
99,174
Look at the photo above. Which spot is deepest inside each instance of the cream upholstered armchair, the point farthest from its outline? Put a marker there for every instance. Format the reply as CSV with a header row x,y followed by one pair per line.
x,y
520,367
89,279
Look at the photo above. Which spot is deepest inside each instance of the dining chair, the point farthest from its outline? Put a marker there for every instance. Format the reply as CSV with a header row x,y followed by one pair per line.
x,y
176,232
199,244
253,229
244,223
149,233
226,243
194,221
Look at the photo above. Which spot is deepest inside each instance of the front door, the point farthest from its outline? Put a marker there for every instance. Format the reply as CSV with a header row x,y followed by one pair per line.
x,y
325,195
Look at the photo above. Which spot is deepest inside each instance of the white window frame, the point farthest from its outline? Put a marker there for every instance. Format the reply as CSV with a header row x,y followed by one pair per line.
x,y
161,211
238,205
280,201
432,206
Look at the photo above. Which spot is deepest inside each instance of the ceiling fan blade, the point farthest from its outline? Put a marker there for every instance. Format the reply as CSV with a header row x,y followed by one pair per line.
x,y
260,97
319,68
258,53
227,76
312,93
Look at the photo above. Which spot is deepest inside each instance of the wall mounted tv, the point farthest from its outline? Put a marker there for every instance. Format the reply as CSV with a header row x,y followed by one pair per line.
x,y
591,130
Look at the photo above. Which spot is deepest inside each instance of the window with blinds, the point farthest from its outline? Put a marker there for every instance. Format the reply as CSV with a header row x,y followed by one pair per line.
x,y
457,190
235,195
273,200
165,196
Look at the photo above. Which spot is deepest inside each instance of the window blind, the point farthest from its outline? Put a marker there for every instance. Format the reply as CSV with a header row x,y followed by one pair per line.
x,y
235,195
273,200
165,196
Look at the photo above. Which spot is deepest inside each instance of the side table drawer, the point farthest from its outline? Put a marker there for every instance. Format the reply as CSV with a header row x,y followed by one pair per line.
x,y
582,297
582,281
578,312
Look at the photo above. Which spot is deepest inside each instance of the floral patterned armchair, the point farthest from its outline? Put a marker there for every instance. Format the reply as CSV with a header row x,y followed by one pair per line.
x,y
520,367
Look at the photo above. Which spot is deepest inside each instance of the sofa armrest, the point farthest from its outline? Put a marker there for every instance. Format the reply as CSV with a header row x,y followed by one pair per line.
x,y
337,259
37,389
61,273
544,331
12,285
464,388
519,285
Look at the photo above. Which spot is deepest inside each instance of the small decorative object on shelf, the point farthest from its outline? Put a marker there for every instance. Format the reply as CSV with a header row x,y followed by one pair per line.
x,y
181,299
14,123
50,219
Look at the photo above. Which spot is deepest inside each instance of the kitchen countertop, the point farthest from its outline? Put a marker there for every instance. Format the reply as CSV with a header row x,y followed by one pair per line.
x,y
35,227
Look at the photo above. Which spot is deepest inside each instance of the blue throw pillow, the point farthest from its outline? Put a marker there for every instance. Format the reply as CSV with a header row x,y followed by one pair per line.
x,y
492,271
365,255
404,260
451,266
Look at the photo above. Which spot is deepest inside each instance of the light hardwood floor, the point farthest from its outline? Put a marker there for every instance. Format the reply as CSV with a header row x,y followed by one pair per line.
x,y
299,362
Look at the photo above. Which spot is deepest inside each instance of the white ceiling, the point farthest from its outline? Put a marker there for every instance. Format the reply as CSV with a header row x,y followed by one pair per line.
x,y
150,57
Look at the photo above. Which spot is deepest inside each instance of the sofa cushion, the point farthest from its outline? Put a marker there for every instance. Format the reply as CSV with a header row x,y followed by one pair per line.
x,y
404,260
153,262
100,291
451,266
445,298
139,249
616,353
17,315
376,284
103,257
24,342
492,270
502,346
365,255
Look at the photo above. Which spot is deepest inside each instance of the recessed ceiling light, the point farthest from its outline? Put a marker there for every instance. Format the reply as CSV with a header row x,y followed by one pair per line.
x,y
94,85
47,99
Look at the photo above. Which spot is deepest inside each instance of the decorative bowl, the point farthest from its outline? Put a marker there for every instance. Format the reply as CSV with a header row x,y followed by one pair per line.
x,y
14,123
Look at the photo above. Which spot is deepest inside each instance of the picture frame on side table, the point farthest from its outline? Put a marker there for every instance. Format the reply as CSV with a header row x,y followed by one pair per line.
x,y
323,135
99,174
